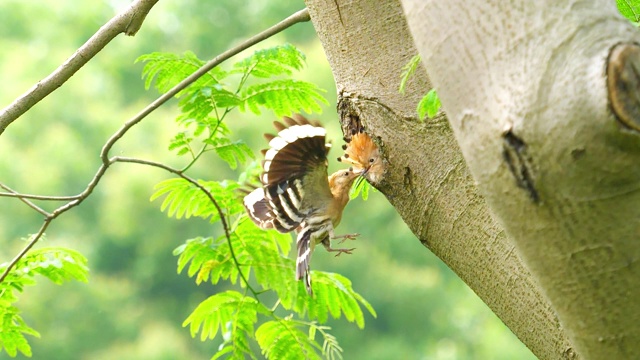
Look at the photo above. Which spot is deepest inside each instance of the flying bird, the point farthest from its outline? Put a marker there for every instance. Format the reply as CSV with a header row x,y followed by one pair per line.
x,y
298,194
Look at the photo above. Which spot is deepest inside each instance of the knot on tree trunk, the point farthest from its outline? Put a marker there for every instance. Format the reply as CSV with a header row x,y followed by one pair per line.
x,y
623,82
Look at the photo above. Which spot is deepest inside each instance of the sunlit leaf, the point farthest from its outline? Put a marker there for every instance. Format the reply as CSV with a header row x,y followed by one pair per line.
x,y
284,340
360,186
169,69
283,97
429,105
184,199
629,9
232,152
407,71
335,294
231,314
56,264
274,61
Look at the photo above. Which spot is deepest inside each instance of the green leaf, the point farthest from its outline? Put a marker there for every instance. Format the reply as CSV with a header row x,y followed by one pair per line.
x,y
198,103
220,97
254,249
231,314
231,152
55,263
284,340
330,347
629,9
12,332
283,97
429,105
360,186
198,251
181,143
58,264
265,252
169,69
222,352
407,71
275,61
184,199
333,295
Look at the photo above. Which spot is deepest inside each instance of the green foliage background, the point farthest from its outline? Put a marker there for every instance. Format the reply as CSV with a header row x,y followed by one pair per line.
x,y
134,303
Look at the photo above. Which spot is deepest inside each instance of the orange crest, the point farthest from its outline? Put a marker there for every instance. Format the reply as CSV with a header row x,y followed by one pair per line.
x,y
364,155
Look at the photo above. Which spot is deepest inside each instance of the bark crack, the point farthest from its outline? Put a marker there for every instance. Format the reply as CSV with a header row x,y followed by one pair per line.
x,y
515,154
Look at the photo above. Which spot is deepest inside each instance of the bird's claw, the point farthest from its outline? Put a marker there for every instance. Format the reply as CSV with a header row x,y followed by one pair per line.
x,y
348,237
340,251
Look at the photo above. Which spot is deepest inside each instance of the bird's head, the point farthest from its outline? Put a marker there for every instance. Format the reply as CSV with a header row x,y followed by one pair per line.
x,y
365,156
340,182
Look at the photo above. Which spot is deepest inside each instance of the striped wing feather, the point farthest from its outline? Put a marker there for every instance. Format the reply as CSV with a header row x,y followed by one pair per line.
x,y
295,185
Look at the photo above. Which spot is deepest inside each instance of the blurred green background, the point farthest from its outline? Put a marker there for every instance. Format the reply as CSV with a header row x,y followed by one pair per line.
x,y
134,304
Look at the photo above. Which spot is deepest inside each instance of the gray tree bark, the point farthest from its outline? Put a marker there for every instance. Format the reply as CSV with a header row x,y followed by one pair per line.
x,y
367,43
524,85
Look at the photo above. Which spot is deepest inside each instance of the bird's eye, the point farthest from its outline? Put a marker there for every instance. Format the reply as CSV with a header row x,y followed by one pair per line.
x,y
372,160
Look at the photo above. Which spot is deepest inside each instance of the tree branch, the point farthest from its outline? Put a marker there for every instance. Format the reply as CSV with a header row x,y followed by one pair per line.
x,y
15,194
128,22
34,239
23,198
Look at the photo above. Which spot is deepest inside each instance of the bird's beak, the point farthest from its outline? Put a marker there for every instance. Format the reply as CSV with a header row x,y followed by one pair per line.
x,y
360,172
356,172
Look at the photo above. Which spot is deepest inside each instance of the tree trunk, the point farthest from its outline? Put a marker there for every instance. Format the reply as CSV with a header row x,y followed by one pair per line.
x,y
367,43
524,86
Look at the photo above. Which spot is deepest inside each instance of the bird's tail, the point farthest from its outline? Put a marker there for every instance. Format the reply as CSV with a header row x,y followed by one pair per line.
x,y
304,257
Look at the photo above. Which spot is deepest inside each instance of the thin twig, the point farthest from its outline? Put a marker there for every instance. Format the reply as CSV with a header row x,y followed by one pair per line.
x,y
24,199
223,220
38,197
300,16
127,22
205,147
26,249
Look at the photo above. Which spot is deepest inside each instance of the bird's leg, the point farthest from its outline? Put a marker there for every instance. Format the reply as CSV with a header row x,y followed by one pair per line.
x,y
327,245
346,237
327,242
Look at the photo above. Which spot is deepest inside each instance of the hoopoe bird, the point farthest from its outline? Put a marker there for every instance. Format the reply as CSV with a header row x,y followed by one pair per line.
x,y
297,194
364,155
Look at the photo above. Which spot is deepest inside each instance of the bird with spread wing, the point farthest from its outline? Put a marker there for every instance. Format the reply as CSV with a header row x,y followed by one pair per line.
x,y
297,193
